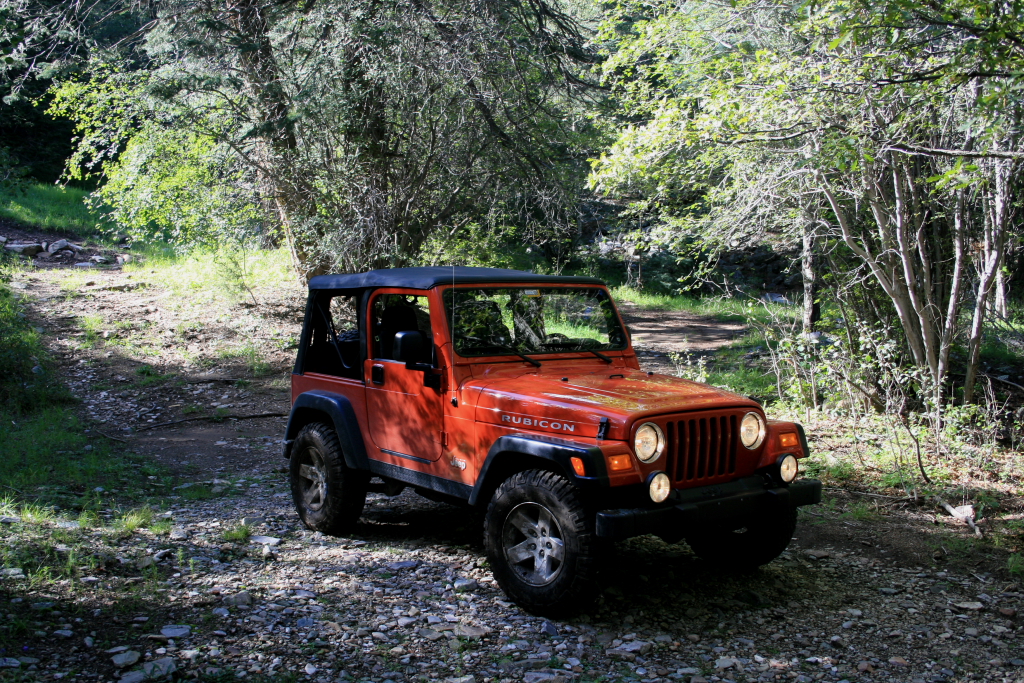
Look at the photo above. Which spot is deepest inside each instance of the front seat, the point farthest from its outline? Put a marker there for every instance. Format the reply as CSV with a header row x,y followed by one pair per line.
x,y
394,319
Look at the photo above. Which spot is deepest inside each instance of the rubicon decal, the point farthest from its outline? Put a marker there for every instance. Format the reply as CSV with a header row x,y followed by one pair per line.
x,y
538,422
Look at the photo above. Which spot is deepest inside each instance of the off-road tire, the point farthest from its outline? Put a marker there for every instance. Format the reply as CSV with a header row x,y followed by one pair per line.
x,y
758,543
548,505
328,496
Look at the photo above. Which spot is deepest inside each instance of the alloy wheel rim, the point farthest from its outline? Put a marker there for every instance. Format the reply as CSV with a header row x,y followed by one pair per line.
x,y
312,480
533,544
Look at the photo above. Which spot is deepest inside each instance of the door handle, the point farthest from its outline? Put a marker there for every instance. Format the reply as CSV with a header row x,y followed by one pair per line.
x,y
377,374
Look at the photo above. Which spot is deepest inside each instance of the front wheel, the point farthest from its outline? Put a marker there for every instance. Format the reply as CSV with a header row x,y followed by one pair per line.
x,y
757,543
328,496
540,543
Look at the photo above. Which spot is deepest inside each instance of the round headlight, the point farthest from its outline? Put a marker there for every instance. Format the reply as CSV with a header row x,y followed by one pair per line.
x,y
788,468
649,442
752,430
660,487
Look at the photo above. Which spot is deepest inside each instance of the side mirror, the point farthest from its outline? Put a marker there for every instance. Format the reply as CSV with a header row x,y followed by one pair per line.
x,y
408,347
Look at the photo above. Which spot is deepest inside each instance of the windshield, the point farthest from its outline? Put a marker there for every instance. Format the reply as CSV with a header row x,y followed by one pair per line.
x,y
498,320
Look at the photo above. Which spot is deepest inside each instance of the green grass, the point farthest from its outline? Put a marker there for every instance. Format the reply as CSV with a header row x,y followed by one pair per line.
x,y
51,207
729,310
27,377
238,534
251,355
47,456
199,278
749,381
198,492
140,518
92,327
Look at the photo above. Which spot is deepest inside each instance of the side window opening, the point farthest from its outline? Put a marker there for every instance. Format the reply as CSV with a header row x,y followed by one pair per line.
x,y
334,337
393,313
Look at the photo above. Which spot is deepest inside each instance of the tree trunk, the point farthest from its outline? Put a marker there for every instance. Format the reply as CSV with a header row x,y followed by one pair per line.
x,y
991,257
271,107
1001,306
808,272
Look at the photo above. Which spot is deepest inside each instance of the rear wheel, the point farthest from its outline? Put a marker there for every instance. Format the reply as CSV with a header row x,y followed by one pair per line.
x,y
328,496
757,543
539,542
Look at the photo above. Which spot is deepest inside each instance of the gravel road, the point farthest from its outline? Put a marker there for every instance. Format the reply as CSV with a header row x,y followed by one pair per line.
x,y
409,597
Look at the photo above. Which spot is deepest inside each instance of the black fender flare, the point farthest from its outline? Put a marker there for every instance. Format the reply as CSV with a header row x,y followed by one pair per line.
x,y
340,412
502,456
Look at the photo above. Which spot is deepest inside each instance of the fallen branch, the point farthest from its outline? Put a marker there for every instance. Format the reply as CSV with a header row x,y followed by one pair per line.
x,y
1000,379
874,495
112,438
212,379
958,515
218,418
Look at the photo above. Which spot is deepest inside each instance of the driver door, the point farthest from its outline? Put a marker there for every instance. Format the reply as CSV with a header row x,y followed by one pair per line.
x,y
404,415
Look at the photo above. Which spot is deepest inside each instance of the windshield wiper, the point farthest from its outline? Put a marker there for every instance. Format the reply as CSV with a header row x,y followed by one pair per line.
x,y
606,359
533,361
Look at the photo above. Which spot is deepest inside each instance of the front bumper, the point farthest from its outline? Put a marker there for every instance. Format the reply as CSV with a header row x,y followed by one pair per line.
x,y
738,500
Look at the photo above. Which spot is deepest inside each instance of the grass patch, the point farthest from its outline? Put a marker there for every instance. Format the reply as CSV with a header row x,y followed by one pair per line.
x,y
198,492
723,309
252,356
51,207
861,510
238,534
92,327
48,457
161,527
140,518
148,376
27,378
199,277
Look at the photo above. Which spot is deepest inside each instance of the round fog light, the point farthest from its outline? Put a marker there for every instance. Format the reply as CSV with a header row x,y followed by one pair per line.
x,y
788,469
660,487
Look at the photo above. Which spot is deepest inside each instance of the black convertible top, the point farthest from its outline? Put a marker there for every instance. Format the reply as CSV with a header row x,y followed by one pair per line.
x,y
425,278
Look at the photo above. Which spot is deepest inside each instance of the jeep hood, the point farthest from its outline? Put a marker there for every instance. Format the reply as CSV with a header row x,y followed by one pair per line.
x,y
577,405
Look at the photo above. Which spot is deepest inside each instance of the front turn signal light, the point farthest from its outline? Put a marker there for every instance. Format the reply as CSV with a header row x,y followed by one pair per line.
x,y
618,463
578,467
789,440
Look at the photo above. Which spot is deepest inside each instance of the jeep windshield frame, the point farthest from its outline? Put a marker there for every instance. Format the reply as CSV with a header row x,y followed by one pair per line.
x,y
534,321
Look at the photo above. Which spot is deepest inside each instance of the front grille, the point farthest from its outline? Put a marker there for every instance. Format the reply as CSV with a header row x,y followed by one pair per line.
x,y
702,447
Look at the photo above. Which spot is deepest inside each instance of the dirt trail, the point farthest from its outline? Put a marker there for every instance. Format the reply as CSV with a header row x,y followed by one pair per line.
x,y
678,331
408,598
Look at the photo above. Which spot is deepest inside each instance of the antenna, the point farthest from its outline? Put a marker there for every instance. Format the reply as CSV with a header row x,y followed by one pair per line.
x,y
455,389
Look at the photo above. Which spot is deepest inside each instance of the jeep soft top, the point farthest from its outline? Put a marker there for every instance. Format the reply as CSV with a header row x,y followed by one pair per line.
x,y
521,394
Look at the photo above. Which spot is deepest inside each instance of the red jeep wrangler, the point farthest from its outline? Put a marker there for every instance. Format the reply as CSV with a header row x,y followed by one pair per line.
x,y
521,394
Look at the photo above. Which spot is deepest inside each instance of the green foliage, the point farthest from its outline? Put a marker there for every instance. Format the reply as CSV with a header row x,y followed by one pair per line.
x,y
737,133
105,107
480,245
354,161
1015,564
179,187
